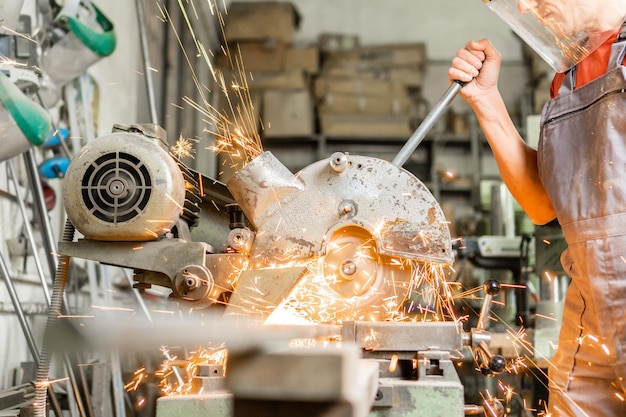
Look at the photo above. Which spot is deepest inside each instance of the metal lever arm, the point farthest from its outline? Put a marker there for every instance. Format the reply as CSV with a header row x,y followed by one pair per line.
x,y
488,363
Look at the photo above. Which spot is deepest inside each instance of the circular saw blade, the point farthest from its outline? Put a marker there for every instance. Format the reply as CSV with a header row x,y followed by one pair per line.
x,y
352,281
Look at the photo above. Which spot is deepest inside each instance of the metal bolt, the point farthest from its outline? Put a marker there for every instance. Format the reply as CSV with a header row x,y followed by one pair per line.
x,y
338,161
348,269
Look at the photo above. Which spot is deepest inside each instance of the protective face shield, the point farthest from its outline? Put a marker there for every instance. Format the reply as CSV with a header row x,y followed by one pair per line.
x,y
9,15
547,36
81,36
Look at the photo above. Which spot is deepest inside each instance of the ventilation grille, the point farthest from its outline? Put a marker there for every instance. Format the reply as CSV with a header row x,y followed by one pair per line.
x,y
116,187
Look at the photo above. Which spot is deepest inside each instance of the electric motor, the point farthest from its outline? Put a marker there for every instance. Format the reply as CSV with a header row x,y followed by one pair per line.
x,y
124,186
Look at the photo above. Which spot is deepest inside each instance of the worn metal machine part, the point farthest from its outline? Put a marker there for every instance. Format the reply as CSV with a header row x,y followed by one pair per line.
x,y
294,214
355,222
137,207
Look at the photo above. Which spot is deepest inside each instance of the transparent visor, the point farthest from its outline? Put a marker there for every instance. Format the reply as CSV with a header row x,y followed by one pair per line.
x,y
546,35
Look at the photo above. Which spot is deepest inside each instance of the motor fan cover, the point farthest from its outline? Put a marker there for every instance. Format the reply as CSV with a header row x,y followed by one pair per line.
x,y
123,187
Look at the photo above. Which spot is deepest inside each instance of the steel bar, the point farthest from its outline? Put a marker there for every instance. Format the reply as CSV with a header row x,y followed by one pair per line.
x,y
28,335
146,62
429,121
29,232
40,206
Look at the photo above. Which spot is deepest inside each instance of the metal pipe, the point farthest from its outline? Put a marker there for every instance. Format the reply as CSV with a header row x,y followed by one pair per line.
x,y
40,206
28,335
29,232
146,62
21,317
427,124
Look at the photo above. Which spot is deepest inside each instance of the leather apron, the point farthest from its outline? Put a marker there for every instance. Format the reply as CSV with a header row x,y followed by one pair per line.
x,y
582,164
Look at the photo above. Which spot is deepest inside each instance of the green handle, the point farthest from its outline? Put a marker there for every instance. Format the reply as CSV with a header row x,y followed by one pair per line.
x,y
102,44
31,118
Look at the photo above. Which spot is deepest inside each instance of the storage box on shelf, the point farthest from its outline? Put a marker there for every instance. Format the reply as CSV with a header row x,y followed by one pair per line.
x,y
362,91
261,21
288,114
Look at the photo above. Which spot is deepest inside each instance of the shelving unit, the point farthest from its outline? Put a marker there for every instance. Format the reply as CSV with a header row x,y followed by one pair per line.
x,y
298,152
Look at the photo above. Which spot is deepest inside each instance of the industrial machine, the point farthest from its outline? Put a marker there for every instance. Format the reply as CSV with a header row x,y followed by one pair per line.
x,y
344,242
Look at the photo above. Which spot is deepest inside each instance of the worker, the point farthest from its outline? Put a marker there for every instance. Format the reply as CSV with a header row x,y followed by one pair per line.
x,y
576,175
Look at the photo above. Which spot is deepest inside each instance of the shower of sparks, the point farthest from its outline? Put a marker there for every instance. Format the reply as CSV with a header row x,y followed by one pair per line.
x,y
173,367
430,285
427,295
235,127
202,356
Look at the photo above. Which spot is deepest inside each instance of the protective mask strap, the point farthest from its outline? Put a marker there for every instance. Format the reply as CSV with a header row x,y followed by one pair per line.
x,y
569,81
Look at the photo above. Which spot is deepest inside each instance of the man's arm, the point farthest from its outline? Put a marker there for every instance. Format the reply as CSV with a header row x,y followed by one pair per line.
x,y
478,64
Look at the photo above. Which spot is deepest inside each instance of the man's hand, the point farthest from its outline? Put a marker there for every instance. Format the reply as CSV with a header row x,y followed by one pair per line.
x,y
479,61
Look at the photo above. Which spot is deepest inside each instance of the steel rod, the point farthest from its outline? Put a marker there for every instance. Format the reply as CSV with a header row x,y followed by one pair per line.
x,y
29,232
147,66
39,203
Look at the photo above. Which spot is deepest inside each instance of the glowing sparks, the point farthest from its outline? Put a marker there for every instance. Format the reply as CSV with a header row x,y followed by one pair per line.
x,y
235,125
605,348
183,148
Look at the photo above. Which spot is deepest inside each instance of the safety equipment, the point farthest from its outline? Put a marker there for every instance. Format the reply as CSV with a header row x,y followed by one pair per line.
x,y
9,15
23,123
81,35
546,36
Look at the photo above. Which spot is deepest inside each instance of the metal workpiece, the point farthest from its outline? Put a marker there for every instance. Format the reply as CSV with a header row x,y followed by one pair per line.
x,y
295,214
259,292
384,339
329,375
208,396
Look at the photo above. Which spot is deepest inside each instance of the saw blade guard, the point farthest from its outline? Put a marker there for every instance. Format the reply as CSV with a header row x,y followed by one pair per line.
x,y
295,215
124,187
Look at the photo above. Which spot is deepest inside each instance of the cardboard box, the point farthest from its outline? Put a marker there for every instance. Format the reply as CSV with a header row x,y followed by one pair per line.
x,y
364,126
303,58
257,56
260,21
286,80
351,103
357,85
287,113
408,75
395,55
